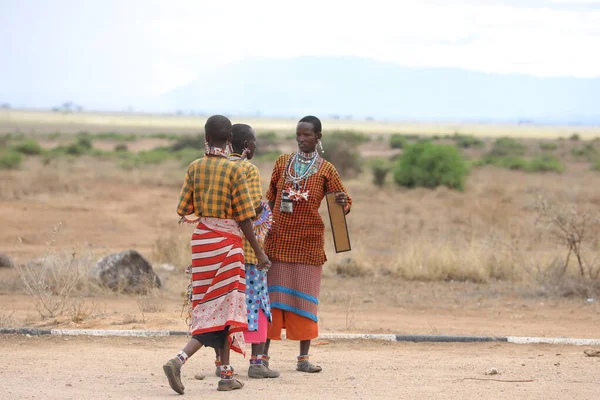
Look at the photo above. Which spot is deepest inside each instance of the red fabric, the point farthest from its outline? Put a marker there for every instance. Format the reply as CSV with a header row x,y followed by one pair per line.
x,y
299,237
218,285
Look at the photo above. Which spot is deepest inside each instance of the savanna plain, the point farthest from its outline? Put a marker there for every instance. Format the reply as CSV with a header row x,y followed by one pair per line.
x,y
505,244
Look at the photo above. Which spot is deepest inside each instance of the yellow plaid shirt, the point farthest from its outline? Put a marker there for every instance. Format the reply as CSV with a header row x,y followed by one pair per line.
x,y
216,187
255,189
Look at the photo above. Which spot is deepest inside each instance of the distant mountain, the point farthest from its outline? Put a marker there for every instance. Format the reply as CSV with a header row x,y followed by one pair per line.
x,y
367,88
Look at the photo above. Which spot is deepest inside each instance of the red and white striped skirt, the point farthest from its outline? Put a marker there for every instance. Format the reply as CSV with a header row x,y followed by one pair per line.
x,y
218,283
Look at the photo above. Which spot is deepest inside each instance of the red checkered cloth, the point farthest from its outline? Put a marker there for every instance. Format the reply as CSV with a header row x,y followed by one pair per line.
x,y
299,237
295,288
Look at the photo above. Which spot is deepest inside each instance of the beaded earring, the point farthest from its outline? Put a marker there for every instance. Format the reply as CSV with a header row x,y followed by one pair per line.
x,y
206,148
321,146
245,153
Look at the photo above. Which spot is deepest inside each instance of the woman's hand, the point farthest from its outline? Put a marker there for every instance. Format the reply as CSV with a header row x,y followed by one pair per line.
x,y
341,198
263,262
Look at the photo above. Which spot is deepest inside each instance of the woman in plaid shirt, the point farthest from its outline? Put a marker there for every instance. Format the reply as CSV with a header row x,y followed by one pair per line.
x,y
216,191
296,241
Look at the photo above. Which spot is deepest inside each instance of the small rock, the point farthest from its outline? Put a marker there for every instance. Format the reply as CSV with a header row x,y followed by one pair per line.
x,y
491,371
592,353
6,261
199,377
69,385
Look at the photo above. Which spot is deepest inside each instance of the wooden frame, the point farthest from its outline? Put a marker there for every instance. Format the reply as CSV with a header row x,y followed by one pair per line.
x,y
339,227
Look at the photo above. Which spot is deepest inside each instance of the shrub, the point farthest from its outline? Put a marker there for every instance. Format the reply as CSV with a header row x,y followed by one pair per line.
x,y
268,156
267,146
506,147
467,141
341,149
186,156
588,151
116,136
121,147
575,137
515,163
167,136
545,163
596,166
10,159
429,165
398,141
188,142
548,146
380,167
29,147
154,156
84,141
76,149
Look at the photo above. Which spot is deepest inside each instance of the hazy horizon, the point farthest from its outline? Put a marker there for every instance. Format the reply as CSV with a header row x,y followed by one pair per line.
x,y
113,55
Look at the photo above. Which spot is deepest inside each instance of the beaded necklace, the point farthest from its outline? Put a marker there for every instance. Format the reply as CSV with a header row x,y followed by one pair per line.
x,y
300,167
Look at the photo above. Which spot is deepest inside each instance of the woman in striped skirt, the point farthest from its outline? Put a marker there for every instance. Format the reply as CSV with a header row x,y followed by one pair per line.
x,y
215,190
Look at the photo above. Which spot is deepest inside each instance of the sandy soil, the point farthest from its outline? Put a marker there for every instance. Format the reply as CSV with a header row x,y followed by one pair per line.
x,y
105,211
122,368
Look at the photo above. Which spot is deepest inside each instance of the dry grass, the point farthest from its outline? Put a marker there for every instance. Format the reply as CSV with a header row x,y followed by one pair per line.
x,y
6,319
53,280
45,121
489,232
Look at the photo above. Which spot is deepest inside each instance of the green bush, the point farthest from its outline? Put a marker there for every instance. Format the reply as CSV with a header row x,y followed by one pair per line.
x,y
545,163
341,149
84,141
548,146
121,147
587,151
506,147
186,156
29,147
267,145
429,165
75,149
398,141
166,136
10,159
515,163
596,166
380,167
575,137
188,142
116,136
267,156
467,141
154,156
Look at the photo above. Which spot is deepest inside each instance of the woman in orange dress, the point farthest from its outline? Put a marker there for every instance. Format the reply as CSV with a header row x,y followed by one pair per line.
x,y
296,241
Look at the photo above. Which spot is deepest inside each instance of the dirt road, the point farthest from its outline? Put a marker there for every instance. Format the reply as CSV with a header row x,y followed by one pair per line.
x,y
130,368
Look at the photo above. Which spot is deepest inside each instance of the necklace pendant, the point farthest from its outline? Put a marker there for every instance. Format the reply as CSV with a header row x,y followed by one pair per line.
x,y
298,195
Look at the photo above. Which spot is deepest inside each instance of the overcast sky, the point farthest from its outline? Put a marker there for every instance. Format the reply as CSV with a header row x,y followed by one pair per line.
x,y
134,48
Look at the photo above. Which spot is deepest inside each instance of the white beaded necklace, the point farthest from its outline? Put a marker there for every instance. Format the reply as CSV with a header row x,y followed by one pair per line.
x,y
291,172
